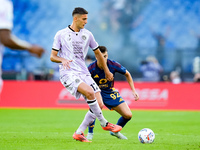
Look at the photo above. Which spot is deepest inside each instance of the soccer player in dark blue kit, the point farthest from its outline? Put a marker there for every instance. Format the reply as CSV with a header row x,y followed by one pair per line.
x,y
111,97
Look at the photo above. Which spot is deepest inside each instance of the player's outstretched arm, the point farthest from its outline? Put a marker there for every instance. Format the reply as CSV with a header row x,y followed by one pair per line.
x,y
55,58
130,81
99,57
11,41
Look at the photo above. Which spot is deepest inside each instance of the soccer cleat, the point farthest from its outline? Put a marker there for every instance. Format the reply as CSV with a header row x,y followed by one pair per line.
x,y
118,135
112,127
90,136
80,137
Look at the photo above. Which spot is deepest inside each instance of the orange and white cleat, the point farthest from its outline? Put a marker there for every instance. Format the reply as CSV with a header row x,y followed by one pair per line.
x,y
80,137
112,127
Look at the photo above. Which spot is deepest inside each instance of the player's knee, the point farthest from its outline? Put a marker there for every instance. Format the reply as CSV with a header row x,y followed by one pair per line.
x,y
128,116
90,94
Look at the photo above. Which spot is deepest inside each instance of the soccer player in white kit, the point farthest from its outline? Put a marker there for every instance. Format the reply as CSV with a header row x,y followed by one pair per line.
x,y
70,48
8,39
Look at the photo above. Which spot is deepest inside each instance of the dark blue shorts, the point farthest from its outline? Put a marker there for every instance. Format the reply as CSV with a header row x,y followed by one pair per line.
x,y
111,98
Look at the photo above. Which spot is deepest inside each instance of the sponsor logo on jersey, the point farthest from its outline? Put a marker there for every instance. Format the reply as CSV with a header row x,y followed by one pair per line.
x,y
102,81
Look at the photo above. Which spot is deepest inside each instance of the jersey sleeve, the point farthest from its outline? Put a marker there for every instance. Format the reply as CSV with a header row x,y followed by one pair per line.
x,y
93,44
118,67
92,68
57,43
6,15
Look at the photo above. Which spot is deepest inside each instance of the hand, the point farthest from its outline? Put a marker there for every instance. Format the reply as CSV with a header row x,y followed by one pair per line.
x,y
109,76
136,96
66,63
34,49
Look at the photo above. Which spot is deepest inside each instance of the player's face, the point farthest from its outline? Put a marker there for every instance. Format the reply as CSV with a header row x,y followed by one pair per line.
x,y
81,21
105,56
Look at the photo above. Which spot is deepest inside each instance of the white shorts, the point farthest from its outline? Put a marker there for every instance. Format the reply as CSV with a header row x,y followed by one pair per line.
x,y
71,83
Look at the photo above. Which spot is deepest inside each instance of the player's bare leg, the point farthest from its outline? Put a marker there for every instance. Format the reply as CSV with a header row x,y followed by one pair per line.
x,y
99,99
126,114
123,110
86,90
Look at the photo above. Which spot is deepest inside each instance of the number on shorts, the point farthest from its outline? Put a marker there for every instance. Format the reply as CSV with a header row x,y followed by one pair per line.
x,y
114,96
94,86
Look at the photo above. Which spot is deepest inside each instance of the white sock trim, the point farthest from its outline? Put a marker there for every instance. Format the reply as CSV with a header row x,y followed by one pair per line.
x,y
91,102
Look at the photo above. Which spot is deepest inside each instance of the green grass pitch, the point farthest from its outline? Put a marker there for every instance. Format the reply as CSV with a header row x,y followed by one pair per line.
x,y
52,129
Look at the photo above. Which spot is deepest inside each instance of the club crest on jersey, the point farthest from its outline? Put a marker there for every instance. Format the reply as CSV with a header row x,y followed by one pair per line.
x,y
96,76
68,37
83,37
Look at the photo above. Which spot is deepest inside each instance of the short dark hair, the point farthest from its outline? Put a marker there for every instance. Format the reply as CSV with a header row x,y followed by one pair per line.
x,y
103,49
79,10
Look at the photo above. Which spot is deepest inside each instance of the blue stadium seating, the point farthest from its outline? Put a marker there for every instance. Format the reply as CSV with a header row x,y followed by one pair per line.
x,y
38,21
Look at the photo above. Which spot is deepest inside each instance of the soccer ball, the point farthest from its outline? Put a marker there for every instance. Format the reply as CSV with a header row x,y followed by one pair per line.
x,y
146,135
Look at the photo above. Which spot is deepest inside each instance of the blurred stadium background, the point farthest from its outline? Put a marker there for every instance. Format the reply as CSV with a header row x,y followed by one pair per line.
x,y
131,30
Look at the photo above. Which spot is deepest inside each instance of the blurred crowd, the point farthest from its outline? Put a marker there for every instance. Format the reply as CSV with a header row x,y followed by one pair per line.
x,y
146,36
